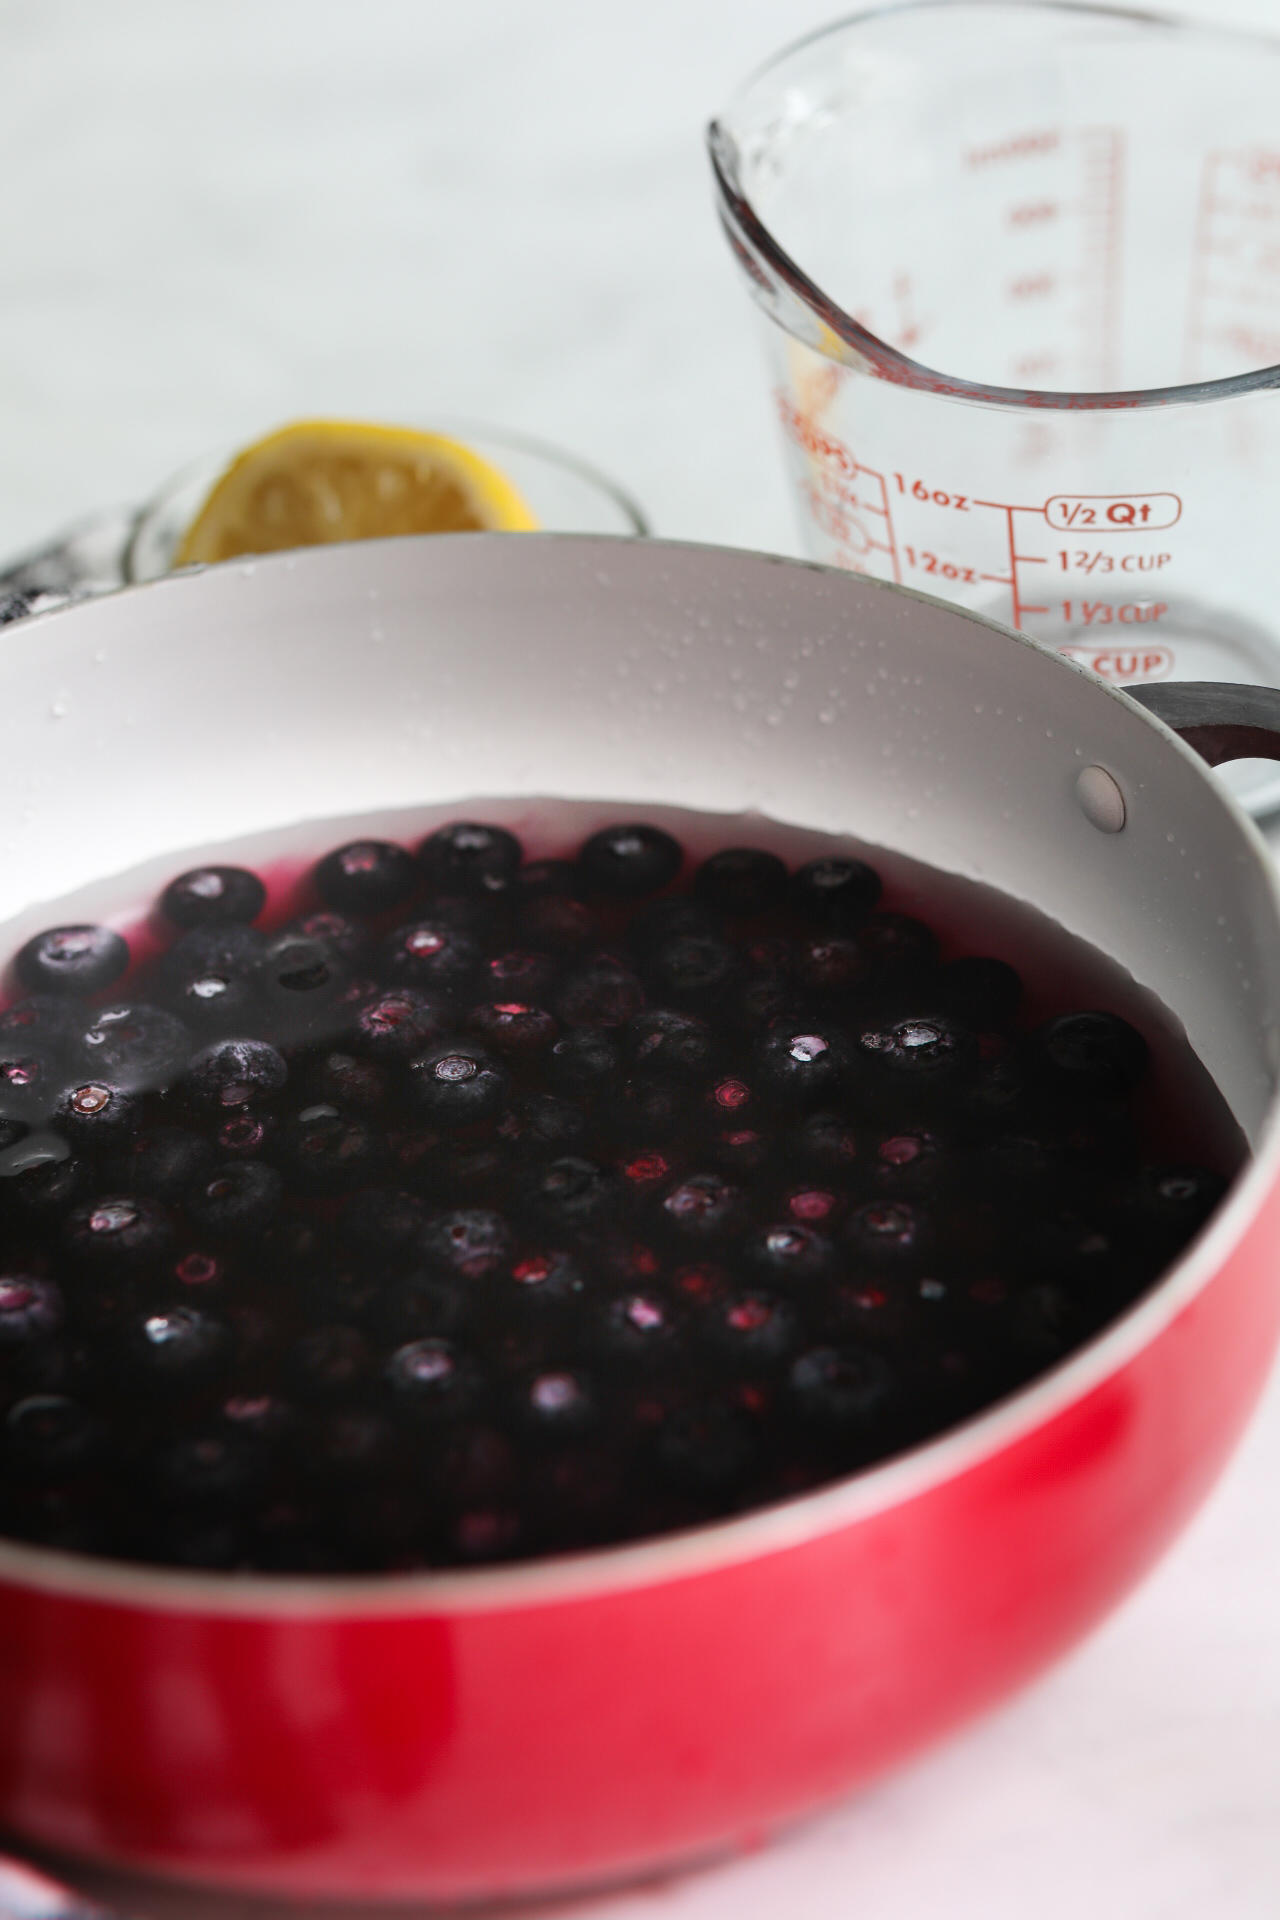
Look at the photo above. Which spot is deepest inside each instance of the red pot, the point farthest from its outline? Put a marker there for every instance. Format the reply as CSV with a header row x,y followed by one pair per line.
x,y
575,1720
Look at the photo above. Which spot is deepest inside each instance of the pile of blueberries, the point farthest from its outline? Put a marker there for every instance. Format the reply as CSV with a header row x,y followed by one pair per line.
x,y
498,1208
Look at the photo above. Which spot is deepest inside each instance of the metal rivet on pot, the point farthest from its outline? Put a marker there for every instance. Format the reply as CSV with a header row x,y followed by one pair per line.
x,y
1101,801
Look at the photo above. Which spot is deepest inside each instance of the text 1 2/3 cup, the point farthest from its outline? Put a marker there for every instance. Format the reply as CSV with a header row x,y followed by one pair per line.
x,y
1021,267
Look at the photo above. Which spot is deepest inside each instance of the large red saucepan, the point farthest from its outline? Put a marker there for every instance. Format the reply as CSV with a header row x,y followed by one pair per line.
x,y
544,1725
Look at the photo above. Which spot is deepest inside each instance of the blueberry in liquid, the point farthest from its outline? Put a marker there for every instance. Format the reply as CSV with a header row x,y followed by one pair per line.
x,y
741,880
626,862
232,1073
366,877
834,892
213,897
468,858
457,1083
72,960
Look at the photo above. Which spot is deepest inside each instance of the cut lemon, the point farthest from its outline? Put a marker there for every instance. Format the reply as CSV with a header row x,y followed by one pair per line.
x,y
318,481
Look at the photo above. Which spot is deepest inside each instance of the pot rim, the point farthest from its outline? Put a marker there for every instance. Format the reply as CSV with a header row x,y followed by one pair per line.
x,y
791,1524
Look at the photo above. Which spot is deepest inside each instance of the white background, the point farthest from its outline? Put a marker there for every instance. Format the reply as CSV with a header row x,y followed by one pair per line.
x,y
214,217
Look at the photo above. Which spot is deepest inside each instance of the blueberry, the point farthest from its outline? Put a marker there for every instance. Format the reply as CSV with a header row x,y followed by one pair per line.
x,y
841,1388
521,973
303,984
233,1073
683,917
707,1451
72,960
163,1162
831,964
470,1172
48,1436
430,953
625,862
40,1020
328,1363
50,1188
30,1309
922,1053
834,892
432,1381
888,1232
741,880
647,1108
900,948
366,877
135,1047
323,1150
738,1151
348,1446
636,1329
544,1123
584,1060
345,938
982,992
557,1404
119,1230
212,976
751,1331
912,1161
31,1077
1166,1205
513,1027
789,1255
346,1294
349,1081
571,1193
381,1223
95,1115
1090,1056
801,1064
827,1143
420,1305
455,1083
175,1348
471,1242
394,1023
208,1469
212,1002
663,1042
545,1282
558,923
604,993
467,858
237,1199
692,970
704,1207
213,897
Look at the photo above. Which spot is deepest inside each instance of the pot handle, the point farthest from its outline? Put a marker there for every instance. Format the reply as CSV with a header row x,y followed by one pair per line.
x,y
1218,720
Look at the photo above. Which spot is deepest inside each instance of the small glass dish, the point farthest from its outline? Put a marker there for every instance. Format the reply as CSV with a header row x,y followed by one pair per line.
x,y
129,545
565,495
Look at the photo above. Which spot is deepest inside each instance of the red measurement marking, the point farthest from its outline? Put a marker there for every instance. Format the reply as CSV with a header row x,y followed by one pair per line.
x,y
1020,146
1112,512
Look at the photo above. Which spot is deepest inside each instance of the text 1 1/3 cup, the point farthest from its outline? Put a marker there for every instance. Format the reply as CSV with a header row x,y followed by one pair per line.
x,y
1021,267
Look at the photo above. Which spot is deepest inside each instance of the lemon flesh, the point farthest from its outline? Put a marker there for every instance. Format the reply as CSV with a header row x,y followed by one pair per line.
x,y
318,481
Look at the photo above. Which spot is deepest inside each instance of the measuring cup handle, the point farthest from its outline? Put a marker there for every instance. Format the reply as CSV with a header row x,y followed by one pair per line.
x,y
1218,720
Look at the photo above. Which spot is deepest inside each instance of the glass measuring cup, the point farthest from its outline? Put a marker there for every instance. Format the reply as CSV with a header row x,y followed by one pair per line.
x,y
1021,267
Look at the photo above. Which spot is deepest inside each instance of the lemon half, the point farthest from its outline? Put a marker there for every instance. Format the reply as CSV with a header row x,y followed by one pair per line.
x,y
318,481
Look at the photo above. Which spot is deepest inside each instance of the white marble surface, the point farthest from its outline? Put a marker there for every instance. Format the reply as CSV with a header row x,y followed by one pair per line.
x,y
216,216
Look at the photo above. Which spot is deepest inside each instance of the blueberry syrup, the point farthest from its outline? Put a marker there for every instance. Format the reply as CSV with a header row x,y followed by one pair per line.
x,y
425,1204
